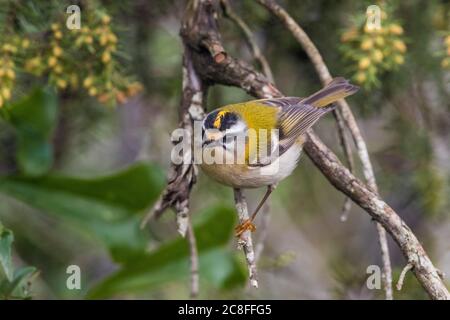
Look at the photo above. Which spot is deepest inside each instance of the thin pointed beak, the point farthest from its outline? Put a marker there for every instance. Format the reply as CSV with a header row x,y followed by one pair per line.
x,y
211,138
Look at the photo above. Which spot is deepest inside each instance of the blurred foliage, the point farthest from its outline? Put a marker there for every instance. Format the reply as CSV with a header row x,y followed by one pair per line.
x,y
33,119
14,283
100,206
169,262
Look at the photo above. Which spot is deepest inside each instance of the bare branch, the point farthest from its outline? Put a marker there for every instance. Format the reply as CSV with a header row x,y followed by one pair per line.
x,y
263,229
325,76
408,267
182,177
245,240
193,259
343,180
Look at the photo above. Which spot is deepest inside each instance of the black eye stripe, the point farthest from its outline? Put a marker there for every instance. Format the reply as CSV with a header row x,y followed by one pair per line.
x,y
229,119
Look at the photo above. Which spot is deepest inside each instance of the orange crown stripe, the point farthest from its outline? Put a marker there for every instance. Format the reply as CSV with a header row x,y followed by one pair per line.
x,y
218,120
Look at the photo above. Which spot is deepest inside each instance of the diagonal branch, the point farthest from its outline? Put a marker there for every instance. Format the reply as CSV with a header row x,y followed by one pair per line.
x,y
214,65
344,112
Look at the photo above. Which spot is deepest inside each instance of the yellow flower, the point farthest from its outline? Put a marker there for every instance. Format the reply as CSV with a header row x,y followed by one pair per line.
x,y
52,61
103,39
88,82
395,29
1,102
106,57
25,43
367,44
74,80
57,51
58,35
10,74
33,63
369,29
134,88
88,40
112,38
61,83
54,26
445,63
398,59
360,77
106,19
399,46
447,40
58,69
377,56
9,48
349,35
92,91
6,93
379,40
364,63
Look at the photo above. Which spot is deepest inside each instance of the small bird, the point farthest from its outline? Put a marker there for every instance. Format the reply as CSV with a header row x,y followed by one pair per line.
x,y
273,152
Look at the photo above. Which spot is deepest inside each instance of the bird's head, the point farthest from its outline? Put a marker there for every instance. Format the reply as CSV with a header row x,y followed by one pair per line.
x,y
220,127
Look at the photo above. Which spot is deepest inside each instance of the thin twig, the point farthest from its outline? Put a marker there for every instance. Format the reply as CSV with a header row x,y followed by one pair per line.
x,y
193,254
401,279
325,76
245,240
263,229
249,37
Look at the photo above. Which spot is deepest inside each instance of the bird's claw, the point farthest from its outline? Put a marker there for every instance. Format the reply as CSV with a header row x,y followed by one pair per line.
x,y
246,225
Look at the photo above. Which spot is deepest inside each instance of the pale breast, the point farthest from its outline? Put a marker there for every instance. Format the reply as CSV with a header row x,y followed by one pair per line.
x,y
243,176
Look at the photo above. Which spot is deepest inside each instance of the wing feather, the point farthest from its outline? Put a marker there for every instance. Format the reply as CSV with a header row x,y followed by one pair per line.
x,y
295,118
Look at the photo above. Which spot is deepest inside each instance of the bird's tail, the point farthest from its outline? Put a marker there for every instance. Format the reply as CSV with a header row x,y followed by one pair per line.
x,y
338,88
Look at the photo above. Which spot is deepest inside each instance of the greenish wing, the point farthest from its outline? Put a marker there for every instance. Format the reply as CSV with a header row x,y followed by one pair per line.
x,y
295,118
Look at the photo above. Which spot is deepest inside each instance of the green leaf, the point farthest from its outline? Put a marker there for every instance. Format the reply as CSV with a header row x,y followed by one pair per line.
x,y
170,262
6,239
17,288
34,119
106,207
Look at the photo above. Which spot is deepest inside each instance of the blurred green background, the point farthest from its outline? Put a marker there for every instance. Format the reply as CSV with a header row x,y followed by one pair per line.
x,y
85,123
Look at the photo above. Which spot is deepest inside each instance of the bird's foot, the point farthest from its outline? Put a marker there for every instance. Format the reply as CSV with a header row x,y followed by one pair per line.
x,y
246,225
